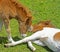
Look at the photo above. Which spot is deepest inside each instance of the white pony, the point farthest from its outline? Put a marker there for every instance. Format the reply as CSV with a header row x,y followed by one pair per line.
x,y
47,36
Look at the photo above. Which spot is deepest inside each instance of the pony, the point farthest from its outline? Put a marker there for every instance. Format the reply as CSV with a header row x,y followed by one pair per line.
x,y
12,9
45,35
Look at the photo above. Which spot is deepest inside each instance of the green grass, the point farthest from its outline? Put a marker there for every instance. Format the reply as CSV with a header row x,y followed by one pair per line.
x,y
41,10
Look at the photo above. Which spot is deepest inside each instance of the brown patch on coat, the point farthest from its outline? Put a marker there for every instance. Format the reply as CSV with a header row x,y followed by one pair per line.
x,y
57,36
41,25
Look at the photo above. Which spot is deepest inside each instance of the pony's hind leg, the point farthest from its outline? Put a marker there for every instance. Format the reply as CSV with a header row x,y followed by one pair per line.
x,y
38,42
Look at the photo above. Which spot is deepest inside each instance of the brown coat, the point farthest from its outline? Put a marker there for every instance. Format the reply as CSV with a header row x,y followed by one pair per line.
x,y
12,9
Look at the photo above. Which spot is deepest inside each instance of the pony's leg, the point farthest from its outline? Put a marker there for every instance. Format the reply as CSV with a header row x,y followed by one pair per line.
x,y
31,46
38,42
7,26
30,38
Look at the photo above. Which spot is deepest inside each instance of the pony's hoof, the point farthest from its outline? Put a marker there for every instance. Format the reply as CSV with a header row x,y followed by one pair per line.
x,y
6,45
34,50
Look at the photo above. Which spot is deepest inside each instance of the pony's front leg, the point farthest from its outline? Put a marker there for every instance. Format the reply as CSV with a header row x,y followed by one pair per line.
x,y
7,26
30,38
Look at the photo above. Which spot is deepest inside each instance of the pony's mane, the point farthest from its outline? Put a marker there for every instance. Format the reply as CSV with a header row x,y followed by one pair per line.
x,y
20,6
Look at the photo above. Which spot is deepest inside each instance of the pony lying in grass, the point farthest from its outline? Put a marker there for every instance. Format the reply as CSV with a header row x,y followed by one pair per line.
x,y
45,35
11,9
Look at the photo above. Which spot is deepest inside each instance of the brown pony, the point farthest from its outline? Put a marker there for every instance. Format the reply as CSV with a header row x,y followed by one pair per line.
x,y
12,9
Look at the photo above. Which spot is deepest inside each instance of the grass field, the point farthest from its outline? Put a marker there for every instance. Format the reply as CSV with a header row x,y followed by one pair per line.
x,y
41,10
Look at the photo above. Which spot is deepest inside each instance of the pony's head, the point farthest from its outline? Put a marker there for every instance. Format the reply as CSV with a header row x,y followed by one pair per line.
x,y
40,25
